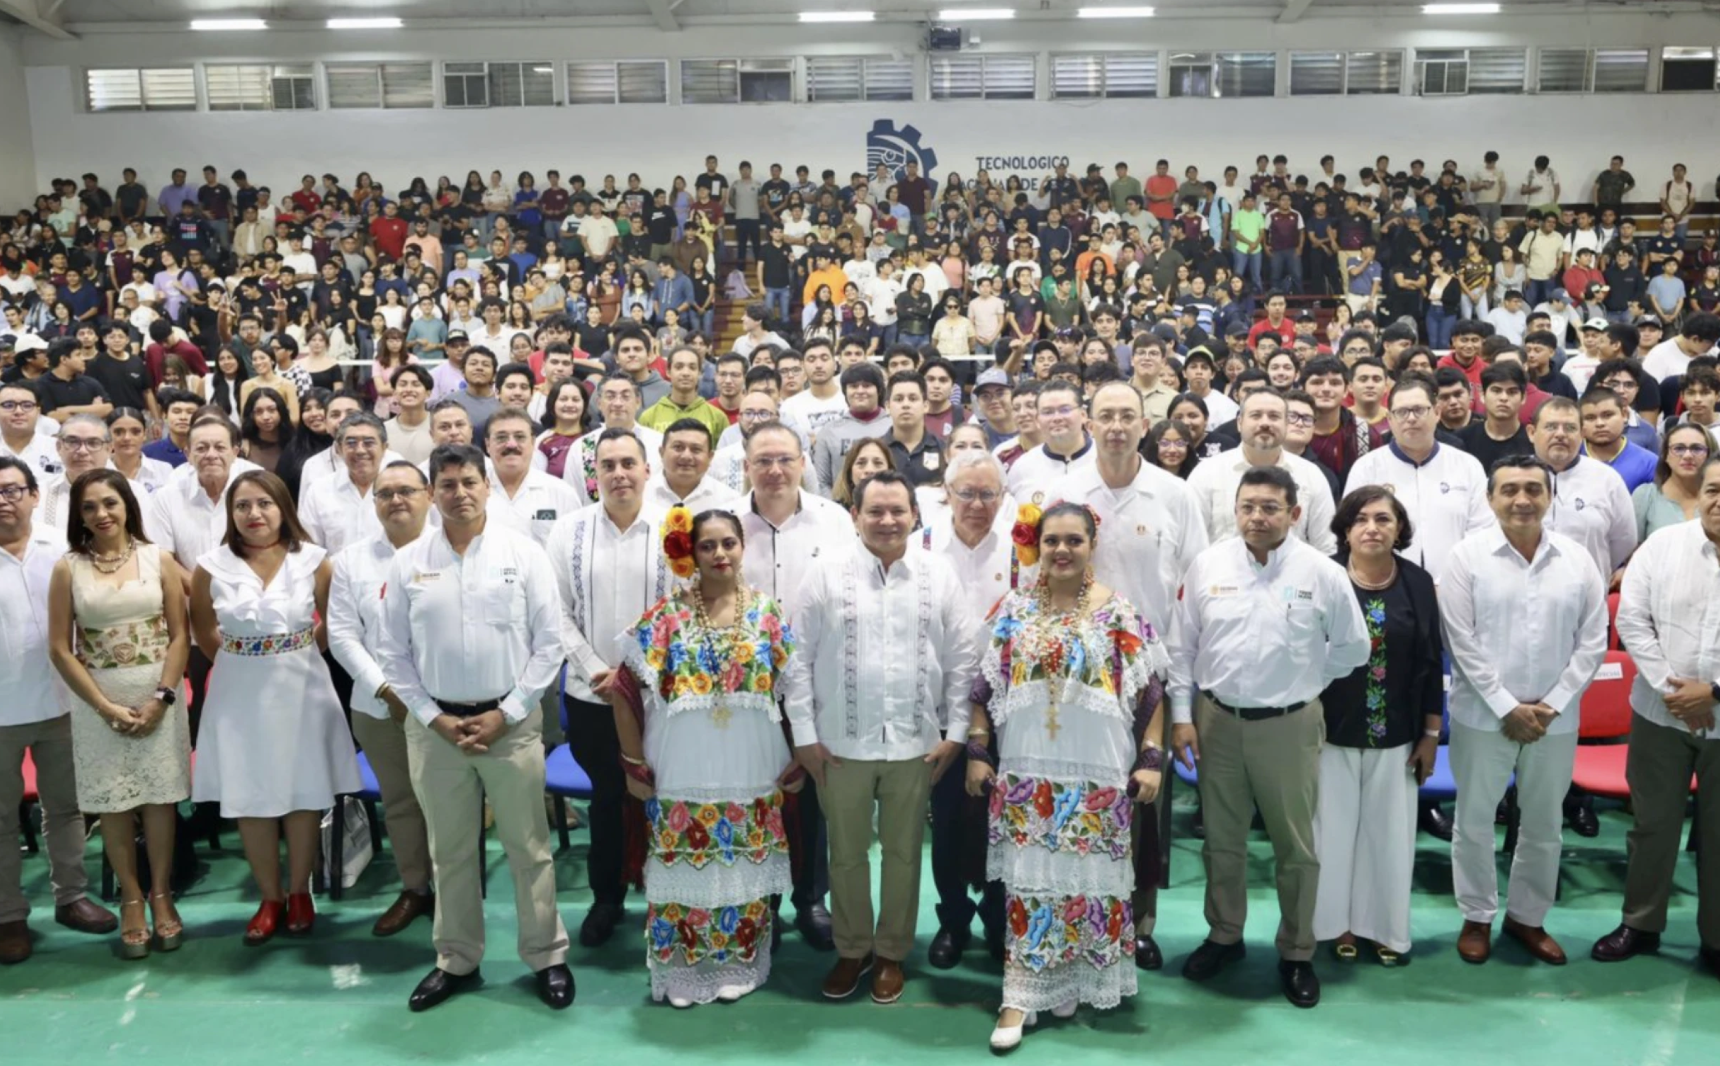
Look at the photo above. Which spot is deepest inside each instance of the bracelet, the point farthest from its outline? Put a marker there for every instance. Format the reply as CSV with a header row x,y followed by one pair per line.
x,y
980,753
631,761
1432,734
1151,757
640,773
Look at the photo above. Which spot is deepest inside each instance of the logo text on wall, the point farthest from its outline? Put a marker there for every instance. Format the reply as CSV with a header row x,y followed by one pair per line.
x,y
895,147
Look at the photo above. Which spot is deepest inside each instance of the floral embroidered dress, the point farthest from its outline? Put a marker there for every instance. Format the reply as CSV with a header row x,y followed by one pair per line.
x,y
1068,701
716,845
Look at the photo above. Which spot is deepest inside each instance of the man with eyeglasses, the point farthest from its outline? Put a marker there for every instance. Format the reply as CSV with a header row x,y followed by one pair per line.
x,y
1066,449
1442,488
618,402
790,534
402,498
84,444
684,480
1266,621
1590,504
729,464
532,499
1152,532
1215,480
20,436
1624,377
338,511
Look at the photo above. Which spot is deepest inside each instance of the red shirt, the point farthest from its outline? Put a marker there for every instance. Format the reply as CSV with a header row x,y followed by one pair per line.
x,y
306,201
1285,329
389,235
155,357
1473,373
1160,185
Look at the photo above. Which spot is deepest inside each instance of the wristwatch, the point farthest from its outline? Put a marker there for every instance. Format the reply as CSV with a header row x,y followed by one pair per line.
x,y
166,696
1714,691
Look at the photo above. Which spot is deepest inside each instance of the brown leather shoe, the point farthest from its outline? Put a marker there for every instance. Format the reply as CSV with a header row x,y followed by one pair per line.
x,y
86,916
844,977
1624,943
1475,942
14,942
406,907
1540,945
887,981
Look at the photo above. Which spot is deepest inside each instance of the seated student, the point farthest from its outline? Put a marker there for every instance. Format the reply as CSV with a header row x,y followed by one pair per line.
x,y
1603,420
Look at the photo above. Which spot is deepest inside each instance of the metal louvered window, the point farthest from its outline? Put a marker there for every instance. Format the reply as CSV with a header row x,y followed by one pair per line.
x,y
1497,70
849,79
1004,76
1316,73
1373,73
1601,70
260,88
1247,74
710,81
148,89
627,82
526,84
380,85
1105,74
1686,70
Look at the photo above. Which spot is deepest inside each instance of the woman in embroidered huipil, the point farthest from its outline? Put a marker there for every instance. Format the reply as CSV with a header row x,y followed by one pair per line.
x,y
1382,733
273,744
702,744
1072,681
118,636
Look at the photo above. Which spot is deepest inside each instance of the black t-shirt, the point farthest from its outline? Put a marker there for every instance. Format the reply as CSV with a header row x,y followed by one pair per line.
x,y
661,226
1487,450
81,391
715,183
132,199
775,258
126,381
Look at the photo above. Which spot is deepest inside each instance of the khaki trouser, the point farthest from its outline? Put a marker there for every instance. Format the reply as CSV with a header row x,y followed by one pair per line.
x,y
384,744
1658,767
1275,764
50,745
900,790
511,776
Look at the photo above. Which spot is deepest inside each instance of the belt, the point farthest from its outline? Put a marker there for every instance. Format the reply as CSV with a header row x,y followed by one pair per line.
x,y
468,710
272,644
1256,714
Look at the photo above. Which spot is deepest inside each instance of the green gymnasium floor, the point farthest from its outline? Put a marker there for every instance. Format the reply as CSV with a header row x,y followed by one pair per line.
x,y
340,997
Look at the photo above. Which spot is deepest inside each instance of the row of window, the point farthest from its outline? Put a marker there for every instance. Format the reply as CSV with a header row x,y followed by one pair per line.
x,y
837,79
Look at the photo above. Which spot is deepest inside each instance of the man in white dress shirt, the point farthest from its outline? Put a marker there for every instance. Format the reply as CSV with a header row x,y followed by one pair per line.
x,y
329,462
33,720
618,403
729,464
1443,489
20,416
790,534
974,543
1265,623
402,497
1040,474
1153,532
1590,503
84,444
885,646
536,499
1525,619
684,479
1669,618
1262,424
608,563
338,511
471,636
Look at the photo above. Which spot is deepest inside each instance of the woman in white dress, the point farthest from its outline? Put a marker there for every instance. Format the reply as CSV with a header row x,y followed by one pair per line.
x,y
274,742
702,743
118,636
1072,682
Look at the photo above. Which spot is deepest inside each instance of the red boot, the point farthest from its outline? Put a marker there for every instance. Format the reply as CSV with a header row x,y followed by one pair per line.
x,y
264,923
301,914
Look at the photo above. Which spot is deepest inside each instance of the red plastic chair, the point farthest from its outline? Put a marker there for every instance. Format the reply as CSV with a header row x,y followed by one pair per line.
x,y
1613,640
31,798
1606,715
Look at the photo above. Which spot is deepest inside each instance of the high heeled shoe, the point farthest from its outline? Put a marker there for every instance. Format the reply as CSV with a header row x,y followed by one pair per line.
x,y
169,934
133,943
301,914
1008,1037
264,923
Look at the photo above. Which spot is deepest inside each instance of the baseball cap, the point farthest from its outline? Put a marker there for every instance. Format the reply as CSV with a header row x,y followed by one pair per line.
x,y
1649,320
1597,323
456,335
1559,296
28,342
990,379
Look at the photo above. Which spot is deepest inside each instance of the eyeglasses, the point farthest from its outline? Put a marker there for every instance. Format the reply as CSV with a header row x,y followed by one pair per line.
x,y
25,406
13,493
977,495
82,444
360,444
1689,449
1411,414
1296,418
390,495
756,416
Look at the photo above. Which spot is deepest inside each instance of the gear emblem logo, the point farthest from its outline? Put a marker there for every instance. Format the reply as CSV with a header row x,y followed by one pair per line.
x,y
896,148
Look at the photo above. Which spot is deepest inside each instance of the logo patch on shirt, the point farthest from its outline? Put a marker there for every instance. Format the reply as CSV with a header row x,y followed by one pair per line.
x,y
419,577
545,514
1444,487
1293,594
1221,590
1579,503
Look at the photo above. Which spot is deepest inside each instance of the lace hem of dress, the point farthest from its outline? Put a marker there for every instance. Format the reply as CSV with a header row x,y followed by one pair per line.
x,y
1062,770
702,983
1036,695
1100,988
718,885
1032,869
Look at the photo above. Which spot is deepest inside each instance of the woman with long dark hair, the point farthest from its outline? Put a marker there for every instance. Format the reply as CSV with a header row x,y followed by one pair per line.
x,y
265,428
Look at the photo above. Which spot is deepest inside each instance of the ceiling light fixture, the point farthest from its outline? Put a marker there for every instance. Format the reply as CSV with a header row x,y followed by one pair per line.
x,y
229,24
388,23
1114,13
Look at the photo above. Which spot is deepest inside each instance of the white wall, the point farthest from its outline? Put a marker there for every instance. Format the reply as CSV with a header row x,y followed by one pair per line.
x,y
17,151
1578,132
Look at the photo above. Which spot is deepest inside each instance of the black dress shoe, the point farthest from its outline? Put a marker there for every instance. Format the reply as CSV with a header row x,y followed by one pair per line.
x,y
1210,958
555,986
947,948
600,923
1583,820
1147,954
1197,828
1624,943
438,985
775,933
813,921
1301,986
994,945
1435,822
1711,958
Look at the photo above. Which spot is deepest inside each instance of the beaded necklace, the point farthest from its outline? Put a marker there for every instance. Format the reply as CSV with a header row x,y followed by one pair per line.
x,y
1045,636
721,640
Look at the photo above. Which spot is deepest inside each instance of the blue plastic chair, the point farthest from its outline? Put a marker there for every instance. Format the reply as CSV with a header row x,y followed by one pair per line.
x,y
564,778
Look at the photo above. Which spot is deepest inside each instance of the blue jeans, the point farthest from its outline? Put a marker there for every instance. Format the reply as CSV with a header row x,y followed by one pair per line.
x,y
886,335
1247,264
1440,323
703,321
1286,261
1537,291
778,302
918,340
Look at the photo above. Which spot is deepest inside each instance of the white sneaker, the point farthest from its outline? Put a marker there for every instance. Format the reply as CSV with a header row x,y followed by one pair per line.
x,y
678,1003
730,993
1066,1010
1007,1037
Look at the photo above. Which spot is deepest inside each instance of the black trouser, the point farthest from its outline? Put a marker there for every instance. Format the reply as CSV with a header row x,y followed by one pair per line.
x,y
812,882
950,848
592,739
747,231
197,672
342,681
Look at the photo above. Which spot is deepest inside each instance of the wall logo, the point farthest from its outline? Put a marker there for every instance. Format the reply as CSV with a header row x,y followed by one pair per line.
x,y
896,149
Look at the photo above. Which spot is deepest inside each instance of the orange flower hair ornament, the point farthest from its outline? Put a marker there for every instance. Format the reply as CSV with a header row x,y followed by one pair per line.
x,y
678,541
1025,534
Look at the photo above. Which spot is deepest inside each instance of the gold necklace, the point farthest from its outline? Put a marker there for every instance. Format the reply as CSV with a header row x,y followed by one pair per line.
x,y
1044,635
112,564
721,640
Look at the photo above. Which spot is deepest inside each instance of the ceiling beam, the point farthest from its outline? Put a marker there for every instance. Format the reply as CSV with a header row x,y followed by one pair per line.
x,y
32,14
1294,10
663,13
